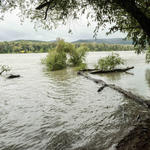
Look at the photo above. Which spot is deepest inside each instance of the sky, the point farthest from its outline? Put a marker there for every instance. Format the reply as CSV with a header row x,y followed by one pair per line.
x,y
11,29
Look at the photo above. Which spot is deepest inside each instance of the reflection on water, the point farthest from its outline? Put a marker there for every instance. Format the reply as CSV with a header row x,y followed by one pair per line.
x,y
113,76
63,111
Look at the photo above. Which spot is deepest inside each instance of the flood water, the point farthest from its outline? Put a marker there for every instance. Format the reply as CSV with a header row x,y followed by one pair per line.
x,y
63,111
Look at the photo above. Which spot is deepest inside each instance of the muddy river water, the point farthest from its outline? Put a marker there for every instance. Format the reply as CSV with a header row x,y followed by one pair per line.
x,y
63,111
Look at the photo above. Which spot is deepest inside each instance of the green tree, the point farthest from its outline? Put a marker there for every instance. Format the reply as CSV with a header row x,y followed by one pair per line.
x,y
57,57
17,49
110,62
55,61
77,56
148,56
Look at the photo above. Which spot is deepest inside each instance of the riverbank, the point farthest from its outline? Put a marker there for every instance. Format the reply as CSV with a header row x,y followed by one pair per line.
x,y
137,139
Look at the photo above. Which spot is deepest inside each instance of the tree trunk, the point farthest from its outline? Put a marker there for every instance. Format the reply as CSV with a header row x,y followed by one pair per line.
x,y
136,12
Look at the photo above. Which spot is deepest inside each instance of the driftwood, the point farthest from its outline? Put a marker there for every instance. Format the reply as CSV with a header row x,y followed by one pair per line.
x,y
88,77
88,69
115,70
142,101
13,76
2,72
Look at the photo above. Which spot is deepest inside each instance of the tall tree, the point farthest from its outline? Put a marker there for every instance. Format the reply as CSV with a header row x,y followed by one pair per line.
x,y
128,16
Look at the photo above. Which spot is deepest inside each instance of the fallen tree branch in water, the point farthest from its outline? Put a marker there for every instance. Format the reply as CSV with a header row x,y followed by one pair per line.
x,y
88,69
2,72
4,68
144,102
13,76
114,70
88,77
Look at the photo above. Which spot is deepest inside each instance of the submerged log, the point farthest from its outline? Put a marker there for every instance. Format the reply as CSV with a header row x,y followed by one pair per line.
x,y
101,88
2,72
142,101
13,76
131,96
88,69
88,77
114,70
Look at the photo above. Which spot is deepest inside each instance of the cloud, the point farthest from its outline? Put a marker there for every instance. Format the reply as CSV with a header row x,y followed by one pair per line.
x,y
11,29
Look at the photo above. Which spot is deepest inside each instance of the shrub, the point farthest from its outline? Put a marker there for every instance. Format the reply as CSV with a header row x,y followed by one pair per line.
x,y
77,56
110,62
57,58
82,66
4,68
147,58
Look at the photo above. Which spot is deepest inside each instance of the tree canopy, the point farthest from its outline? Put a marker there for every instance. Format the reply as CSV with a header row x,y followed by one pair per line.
x,y
128,16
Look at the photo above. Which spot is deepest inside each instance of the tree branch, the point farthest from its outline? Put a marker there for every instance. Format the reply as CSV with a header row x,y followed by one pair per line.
x,y
46,11
42,5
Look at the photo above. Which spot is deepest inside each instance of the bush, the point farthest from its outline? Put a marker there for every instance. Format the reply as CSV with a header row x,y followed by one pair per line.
x,y
57,58
77,56
110,62
55,61
82,66
4,68
147,58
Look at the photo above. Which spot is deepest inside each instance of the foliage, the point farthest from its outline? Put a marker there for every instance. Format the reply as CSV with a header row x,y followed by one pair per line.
x,y
82,66
4,68
43,47
77,56
110,62
57,58
55,61
128,16
25,46
147,58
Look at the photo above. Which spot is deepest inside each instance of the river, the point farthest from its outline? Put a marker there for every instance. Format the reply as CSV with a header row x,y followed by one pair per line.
x,y
63,111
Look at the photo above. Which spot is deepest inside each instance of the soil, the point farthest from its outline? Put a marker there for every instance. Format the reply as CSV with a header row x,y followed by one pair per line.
x,y
137,139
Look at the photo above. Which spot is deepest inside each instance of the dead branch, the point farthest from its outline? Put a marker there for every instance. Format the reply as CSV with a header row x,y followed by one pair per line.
x,y
2,72
88,77
13,76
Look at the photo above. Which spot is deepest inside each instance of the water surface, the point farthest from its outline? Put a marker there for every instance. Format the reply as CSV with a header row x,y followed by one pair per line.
x,y
63,111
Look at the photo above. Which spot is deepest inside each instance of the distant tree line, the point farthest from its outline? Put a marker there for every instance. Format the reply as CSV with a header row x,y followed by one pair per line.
x,y
39,47
26,47
106,47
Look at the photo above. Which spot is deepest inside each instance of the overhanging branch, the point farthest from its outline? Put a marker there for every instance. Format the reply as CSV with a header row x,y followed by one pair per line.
x,y
46,11
42,5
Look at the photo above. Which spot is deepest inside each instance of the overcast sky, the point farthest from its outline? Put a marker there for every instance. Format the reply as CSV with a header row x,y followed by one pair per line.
x,y
11,29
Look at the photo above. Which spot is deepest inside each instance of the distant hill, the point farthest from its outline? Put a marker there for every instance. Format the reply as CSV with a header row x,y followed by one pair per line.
x,y
34,41
99,41
108,41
